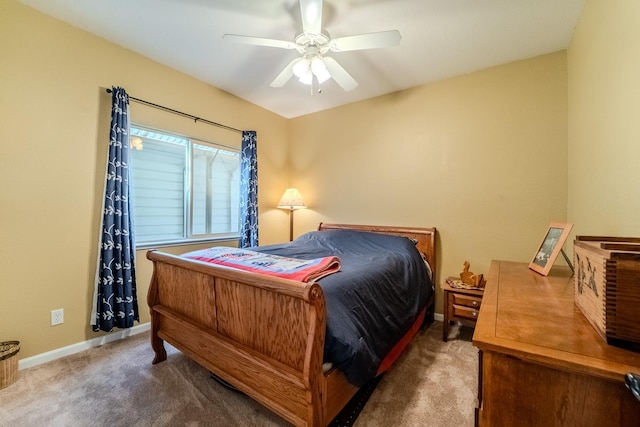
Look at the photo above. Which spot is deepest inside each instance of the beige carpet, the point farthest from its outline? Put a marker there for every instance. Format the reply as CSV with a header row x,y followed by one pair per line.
x,y
432,384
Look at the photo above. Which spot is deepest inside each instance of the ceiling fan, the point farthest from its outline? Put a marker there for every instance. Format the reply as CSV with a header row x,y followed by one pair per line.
x,y
314,66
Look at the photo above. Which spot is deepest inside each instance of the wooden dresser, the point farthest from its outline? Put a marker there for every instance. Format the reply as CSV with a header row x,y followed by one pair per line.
x,y
541,361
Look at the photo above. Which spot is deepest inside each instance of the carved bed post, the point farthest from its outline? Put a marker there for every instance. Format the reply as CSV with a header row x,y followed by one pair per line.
x,y
313,356
157,344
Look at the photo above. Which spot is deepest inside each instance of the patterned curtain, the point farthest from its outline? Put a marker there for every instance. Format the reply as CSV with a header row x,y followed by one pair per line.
x,y
115,299
249,190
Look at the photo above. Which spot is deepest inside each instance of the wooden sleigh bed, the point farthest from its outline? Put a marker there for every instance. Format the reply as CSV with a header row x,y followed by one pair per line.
x,y
263,335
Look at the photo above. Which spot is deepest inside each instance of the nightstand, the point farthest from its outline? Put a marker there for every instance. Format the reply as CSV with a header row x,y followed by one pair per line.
x,y
462,305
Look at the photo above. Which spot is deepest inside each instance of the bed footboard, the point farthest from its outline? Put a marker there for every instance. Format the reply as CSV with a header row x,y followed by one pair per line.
x,y
264,335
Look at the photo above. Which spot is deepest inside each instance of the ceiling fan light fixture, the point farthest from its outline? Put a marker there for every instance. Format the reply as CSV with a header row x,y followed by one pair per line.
x,y
307,78
311,66
320,69
301,68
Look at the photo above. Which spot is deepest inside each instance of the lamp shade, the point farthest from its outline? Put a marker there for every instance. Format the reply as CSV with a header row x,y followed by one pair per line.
x,y
291,199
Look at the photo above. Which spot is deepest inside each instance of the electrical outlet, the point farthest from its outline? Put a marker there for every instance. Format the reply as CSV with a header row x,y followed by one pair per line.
x,y
57,317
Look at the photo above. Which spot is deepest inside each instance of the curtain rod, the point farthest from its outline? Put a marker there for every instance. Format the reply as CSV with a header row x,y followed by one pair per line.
x,y
180,113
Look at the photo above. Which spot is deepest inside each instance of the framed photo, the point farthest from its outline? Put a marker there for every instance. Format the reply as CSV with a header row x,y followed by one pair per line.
x,y
550,247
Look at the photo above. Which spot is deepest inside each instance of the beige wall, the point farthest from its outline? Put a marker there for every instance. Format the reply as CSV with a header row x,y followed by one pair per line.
x,y
53,144
604,120
483,157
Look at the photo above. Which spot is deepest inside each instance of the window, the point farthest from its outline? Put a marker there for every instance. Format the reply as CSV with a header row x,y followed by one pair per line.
x,y
183,189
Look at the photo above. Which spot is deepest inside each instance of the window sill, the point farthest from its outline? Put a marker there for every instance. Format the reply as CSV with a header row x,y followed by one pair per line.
x,y
186,242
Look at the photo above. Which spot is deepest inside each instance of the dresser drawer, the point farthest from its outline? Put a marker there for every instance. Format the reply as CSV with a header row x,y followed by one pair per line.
x,y
465,312
467,300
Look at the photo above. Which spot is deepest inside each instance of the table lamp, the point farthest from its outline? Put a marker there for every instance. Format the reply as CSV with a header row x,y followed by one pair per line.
x,y
292,200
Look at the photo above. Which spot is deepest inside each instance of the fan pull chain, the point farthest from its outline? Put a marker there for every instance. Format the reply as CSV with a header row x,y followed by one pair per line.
x,y
314,79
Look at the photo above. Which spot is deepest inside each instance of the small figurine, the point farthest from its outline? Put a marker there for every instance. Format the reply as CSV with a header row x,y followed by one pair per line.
x,y
468,278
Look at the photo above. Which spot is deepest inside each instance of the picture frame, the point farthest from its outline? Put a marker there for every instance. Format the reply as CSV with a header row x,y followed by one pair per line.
x,y
550,247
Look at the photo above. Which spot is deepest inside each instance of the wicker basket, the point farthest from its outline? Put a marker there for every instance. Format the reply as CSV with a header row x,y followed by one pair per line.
x,y
8,363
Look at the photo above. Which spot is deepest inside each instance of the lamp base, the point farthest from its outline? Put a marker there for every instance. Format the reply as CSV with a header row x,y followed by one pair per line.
x,y
291,225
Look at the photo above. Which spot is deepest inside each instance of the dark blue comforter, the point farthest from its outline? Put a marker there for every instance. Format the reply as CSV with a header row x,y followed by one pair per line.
x,y
372,301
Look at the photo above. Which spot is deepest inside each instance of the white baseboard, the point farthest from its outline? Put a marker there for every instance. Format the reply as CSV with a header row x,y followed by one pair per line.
x,y
81,346
438,317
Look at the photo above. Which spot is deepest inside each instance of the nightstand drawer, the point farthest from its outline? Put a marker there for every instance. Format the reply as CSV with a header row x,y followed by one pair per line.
x,y
467,300
465,312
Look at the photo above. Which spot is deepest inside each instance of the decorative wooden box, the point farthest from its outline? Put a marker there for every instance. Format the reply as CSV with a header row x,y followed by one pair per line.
x,y
607,286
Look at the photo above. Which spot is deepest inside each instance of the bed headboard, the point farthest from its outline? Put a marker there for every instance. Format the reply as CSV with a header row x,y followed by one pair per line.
x,y
425,237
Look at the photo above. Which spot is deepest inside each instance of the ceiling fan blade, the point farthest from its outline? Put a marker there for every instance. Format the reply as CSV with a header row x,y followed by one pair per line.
x,y
285,74
340,75
366,41
311,11
259,41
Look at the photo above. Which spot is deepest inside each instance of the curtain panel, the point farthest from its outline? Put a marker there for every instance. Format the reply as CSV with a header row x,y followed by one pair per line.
x,y
249,190
115,299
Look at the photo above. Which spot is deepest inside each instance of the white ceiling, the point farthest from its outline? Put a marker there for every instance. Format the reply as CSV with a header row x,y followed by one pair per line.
x,y
440,39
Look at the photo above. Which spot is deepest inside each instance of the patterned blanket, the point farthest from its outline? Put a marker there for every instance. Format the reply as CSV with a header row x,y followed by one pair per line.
x,y
273,265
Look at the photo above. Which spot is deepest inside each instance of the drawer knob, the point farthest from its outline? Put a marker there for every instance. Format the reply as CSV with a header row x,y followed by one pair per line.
x,y
474,313
474,303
